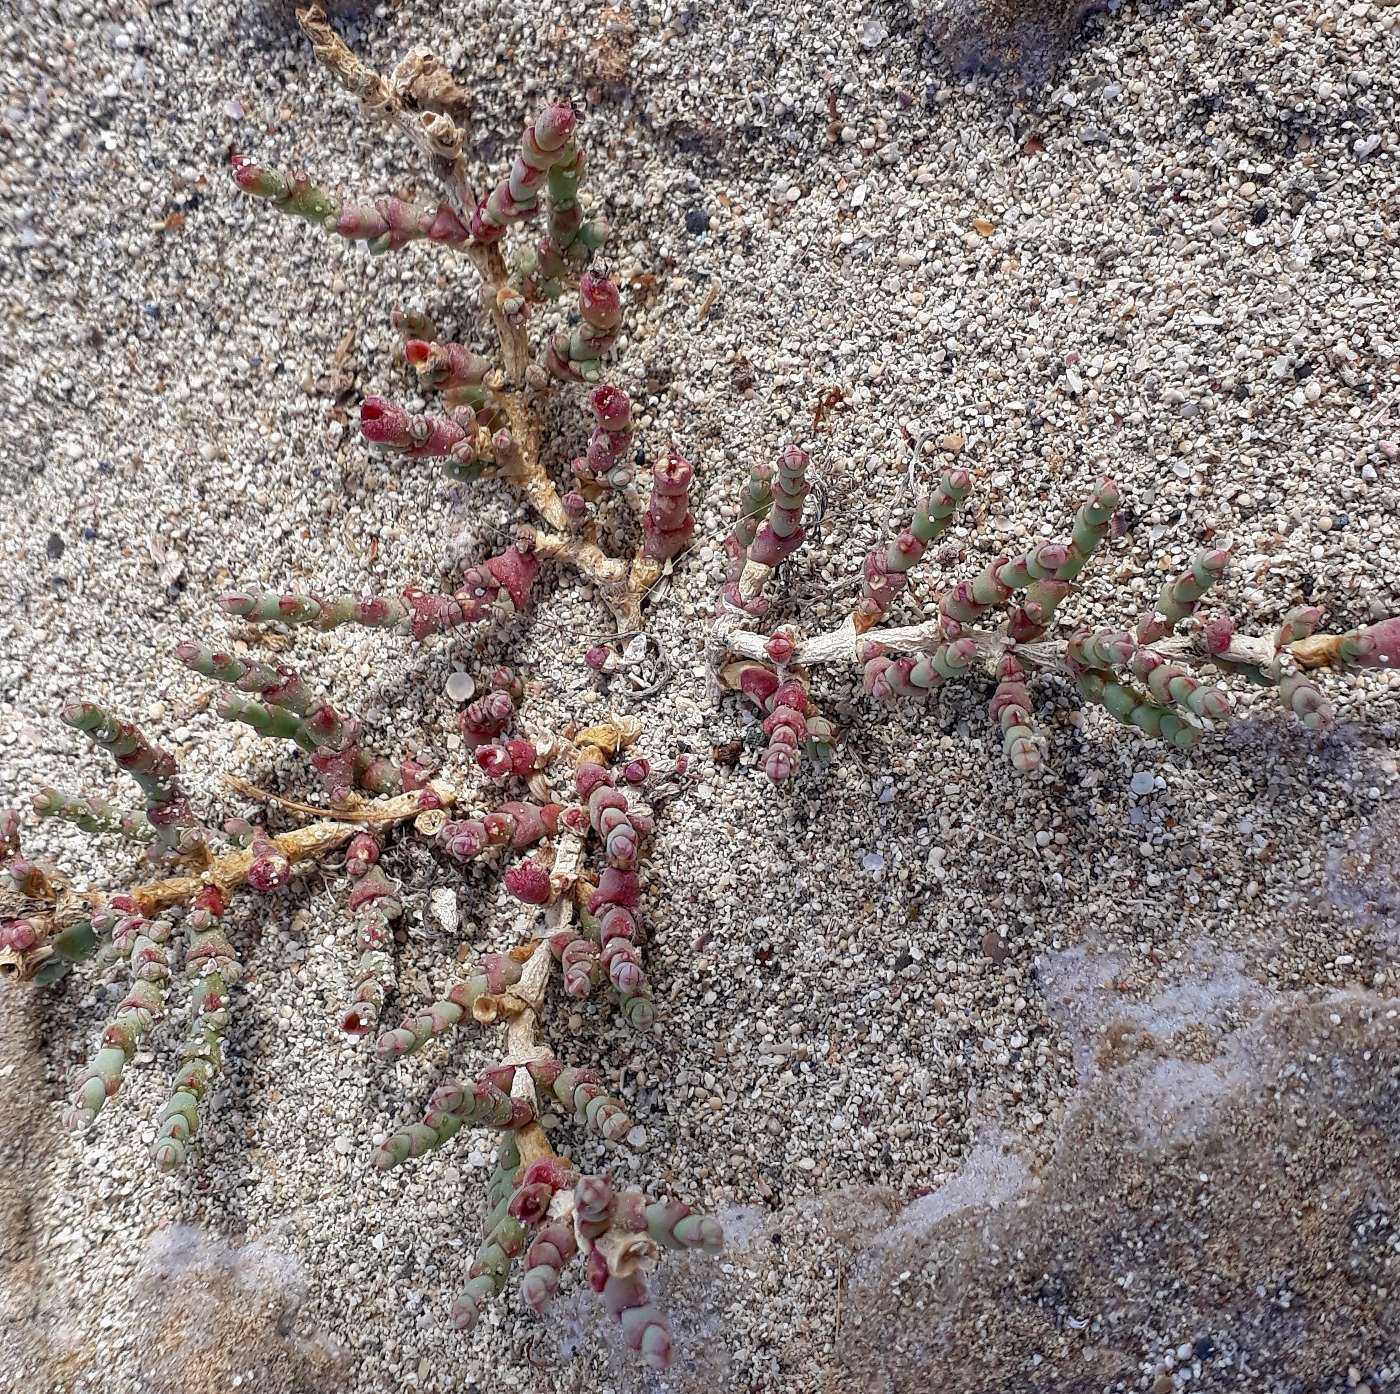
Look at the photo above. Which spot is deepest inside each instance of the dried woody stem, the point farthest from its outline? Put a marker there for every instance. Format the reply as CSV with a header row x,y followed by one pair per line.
x,y
227,873
521,1004
412,103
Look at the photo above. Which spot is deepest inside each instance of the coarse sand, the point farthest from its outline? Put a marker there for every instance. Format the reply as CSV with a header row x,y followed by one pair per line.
x,y
1084,1082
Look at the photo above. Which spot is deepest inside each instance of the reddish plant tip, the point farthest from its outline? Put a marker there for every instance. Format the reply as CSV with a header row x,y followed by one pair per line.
x,y
636,771
611,407
780,649
597,656
529,883
549,1170
599,301
1217,633
674,473
589,776
246,175
530,1202
212,899
778,764
18,936
554,125
353,1023
524,758
267,874
758,683
416,351
515,571
413,774
494,761
1376,646
381,422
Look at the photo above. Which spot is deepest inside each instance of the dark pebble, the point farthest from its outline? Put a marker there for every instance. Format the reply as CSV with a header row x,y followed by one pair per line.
x,y
697,221
54,546
727,754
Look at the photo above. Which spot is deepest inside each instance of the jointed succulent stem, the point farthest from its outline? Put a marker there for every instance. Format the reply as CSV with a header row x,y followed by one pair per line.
x,y
1147,678
144,943
94,816
168,811
212,971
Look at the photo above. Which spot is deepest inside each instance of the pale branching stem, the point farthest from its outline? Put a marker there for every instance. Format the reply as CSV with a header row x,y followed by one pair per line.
x,y
230,871
753,580
841,646
434,133
300,844
610,577
515,343
529,475
526,999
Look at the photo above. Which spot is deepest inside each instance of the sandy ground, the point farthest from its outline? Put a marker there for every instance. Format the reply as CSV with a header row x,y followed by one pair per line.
x,y
998,1085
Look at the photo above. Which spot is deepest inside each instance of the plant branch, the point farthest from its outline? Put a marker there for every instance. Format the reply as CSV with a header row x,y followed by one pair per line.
x,y
841,645
620,586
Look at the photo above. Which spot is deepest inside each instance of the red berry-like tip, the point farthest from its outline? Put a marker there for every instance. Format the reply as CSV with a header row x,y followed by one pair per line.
x,y
599,301
529,883
780,648
611,407
494,761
